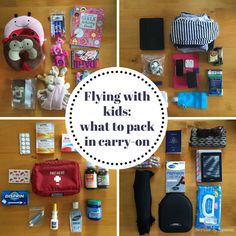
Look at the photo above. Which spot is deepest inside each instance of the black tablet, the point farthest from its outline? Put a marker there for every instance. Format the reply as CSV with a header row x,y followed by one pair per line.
x,y
151,33
211,167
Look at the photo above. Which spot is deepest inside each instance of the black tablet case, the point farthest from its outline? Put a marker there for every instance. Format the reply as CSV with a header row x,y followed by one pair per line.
x,y
175,213
151,33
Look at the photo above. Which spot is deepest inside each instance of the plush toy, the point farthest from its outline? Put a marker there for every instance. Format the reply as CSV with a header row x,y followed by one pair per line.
x,y
22,42
59,55
56,94
23,53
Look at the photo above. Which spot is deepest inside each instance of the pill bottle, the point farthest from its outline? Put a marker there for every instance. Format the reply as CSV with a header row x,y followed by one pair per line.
x,y
103,178
90,177
94,209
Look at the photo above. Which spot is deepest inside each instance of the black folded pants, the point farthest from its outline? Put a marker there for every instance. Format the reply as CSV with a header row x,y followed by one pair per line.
x,y
143,201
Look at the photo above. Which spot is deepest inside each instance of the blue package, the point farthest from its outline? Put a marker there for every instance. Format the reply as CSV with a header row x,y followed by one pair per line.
x,y
192,99
208,207
15,197
215,82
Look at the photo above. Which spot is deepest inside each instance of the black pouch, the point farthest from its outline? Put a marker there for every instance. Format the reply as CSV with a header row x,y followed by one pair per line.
x,y
151,33
175,213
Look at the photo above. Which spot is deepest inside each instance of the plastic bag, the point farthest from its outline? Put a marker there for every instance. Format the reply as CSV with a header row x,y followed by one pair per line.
x,y
23,93
35,216
57,24
153,64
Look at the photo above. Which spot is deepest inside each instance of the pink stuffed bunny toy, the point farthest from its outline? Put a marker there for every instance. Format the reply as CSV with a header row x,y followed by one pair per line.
x,y
56,95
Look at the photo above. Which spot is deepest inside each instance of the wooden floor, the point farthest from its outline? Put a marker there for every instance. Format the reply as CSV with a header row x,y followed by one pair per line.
x,y
40,10
228,219
223,11
14,219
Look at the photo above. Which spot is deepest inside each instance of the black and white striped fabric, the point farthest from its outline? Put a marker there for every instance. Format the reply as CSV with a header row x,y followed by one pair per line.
x,y
190,29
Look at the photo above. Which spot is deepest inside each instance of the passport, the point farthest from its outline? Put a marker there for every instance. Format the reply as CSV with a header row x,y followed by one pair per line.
x,y
173,141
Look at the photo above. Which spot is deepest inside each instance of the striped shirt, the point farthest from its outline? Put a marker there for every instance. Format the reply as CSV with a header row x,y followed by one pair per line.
x,y
190,29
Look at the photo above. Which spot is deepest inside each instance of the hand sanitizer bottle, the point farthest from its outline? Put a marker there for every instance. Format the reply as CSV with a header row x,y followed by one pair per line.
x,y
75,218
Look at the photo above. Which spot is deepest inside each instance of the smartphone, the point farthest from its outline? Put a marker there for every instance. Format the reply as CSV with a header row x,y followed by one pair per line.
x,y
179,67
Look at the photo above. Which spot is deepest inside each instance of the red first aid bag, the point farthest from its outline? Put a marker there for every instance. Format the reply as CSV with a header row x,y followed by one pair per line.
x,y
56,178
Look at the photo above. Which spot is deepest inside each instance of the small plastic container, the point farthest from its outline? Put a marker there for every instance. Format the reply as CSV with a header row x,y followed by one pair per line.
x,y
94,209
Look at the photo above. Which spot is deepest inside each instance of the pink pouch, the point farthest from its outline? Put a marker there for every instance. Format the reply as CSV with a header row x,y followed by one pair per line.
x,y
190,63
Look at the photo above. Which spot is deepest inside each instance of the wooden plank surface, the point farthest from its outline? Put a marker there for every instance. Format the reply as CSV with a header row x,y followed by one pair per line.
x,y
228,220
14,219
220,10
40,10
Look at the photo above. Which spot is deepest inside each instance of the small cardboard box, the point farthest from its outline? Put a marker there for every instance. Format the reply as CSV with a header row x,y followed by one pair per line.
x,y
66,145
175,176
45,138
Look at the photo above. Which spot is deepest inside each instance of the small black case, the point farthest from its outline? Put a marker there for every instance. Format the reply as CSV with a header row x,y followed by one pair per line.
x,y
191,79
151,33
175,213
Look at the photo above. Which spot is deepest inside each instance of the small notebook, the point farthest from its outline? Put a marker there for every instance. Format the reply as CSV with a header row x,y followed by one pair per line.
x,y
86,27
151,33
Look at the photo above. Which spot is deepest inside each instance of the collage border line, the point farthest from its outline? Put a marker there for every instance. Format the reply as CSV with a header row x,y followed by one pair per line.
x,y
169,118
